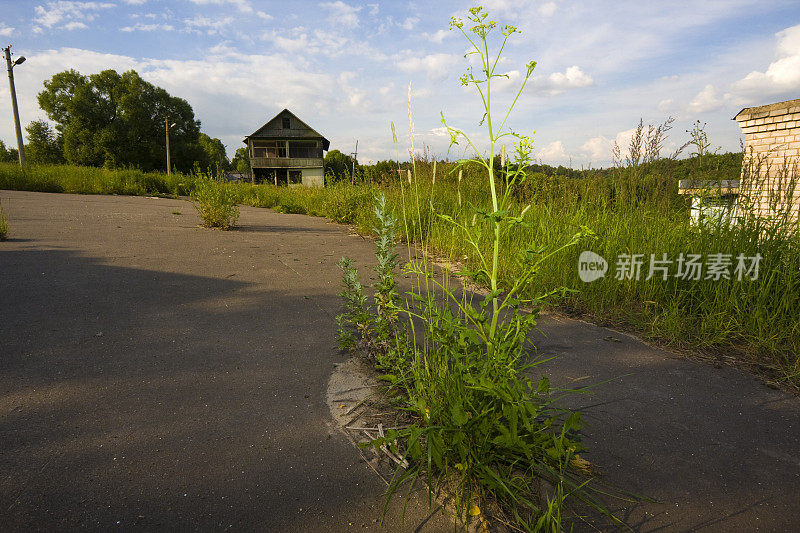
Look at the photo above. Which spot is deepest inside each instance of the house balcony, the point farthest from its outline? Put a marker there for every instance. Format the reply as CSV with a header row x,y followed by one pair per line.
x,y
285,162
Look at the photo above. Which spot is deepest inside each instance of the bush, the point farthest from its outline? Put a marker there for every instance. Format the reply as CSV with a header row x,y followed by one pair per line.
x,y
215,202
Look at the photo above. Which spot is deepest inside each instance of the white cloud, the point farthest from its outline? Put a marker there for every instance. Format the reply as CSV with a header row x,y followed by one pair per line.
x,y
74,25
211,26
67,14
782,75
342,14
409,23
504,7
147,27
243,5
438,36
386,89
510,80
548,9
354,95
318,42
264,16
598,148
552,152
623,140
135,2
436,66
421,93
558,82
665,105
706,100
5,31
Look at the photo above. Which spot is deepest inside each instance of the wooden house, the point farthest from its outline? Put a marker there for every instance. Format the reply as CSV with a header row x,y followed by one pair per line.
x,y
287,151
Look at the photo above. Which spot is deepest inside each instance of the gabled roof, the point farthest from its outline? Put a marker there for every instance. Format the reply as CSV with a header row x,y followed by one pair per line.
x,y
273,129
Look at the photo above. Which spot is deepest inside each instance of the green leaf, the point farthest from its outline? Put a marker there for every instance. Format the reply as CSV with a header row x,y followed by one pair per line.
x,y
457,414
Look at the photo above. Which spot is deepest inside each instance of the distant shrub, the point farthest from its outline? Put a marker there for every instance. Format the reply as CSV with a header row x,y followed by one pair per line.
x,y
215,201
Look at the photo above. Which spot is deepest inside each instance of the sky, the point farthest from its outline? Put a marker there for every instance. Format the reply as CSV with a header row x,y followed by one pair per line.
x,y
346,67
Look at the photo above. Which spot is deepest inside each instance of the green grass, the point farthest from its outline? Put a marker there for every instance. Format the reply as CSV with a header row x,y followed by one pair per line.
x,y
756,319
3,225
91,180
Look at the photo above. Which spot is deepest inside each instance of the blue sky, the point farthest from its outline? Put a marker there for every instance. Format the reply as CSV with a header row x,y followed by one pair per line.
x,y
345,66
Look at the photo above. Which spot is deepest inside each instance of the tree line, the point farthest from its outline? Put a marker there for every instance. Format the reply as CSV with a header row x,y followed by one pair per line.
x,y
725,166
116,120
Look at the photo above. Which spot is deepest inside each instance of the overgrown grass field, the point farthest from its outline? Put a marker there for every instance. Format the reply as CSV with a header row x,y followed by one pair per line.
x,y
630,213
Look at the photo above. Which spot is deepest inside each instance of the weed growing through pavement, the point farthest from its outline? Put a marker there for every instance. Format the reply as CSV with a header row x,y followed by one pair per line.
x,y
3,225
483,431
215,201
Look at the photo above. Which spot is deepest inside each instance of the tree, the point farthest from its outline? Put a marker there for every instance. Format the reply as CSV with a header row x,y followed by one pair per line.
x,y
44,145
338,166
118,120
241,161
7,155
214,159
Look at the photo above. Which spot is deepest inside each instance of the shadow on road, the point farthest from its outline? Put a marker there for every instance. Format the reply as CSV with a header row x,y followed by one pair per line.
x,y
151,399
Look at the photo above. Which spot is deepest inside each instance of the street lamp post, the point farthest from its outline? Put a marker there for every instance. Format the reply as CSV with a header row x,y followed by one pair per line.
x,y
167,126
10,65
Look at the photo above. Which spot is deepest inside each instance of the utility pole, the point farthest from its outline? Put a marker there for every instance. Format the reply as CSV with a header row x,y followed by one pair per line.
x,y
10,66
355,157
167,126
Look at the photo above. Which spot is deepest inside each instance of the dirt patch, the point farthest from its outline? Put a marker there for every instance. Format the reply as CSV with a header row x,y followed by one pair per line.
x,y
350,387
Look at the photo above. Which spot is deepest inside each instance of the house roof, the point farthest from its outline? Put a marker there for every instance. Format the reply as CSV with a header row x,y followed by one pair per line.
x,y
709,187
273,129
776,109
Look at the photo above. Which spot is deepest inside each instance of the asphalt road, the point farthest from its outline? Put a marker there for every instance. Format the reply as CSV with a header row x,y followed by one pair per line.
x,y
714,446
157,375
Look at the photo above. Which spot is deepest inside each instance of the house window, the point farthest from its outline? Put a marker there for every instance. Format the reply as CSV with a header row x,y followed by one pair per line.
x,y
304,149
286,123
269,149
295,177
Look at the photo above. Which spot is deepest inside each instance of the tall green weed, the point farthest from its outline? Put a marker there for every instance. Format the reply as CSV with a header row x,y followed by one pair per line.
x,y
216,203
482,430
